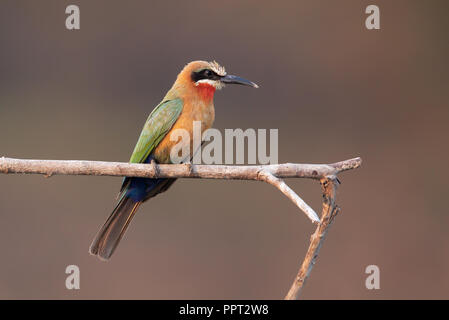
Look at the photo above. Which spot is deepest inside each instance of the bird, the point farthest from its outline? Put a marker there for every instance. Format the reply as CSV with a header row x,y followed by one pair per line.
x,y
191,98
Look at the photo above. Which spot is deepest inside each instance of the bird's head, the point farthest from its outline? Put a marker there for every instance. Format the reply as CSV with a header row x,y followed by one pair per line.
x,y
206,77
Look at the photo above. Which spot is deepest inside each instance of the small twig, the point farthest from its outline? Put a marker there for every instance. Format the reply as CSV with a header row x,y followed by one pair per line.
x,y
285,189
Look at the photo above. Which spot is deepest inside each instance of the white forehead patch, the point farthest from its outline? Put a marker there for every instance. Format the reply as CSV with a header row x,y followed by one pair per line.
x,y
220,70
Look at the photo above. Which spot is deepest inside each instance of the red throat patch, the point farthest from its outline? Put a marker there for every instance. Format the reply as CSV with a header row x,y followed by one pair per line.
x,y
206,91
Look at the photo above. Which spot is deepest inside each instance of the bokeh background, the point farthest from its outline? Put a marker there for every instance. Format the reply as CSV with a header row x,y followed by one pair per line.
x,y
334,89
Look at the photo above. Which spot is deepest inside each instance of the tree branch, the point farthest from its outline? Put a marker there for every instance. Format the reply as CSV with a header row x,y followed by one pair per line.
x,y
101,168
330,210
272,174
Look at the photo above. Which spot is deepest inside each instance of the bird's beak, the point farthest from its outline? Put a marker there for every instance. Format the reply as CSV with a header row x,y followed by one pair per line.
x,y
237,80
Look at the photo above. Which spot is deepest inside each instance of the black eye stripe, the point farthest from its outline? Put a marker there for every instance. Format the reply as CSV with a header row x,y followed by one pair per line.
x,y
204,74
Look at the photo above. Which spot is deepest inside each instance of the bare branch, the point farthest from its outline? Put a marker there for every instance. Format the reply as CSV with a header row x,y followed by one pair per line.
x,y
272,174
101,168
330,210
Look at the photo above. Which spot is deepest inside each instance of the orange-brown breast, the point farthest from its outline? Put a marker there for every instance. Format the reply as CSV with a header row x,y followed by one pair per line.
x,y
197,106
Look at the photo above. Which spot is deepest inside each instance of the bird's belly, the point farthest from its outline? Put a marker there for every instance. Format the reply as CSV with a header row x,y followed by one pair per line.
x,y
203,113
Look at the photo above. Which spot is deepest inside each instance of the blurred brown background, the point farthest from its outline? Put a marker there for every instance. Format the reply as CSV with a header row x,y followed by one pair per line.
x,y
333,88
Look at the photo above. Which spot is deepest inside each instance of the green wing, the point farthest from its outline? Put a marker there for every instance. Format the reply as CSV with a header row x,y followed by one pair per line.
x,y
159,122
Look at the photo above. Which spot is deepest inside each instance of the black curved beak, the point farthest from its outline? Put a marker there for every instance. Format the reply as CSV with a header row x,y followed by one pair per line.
x,y
237,80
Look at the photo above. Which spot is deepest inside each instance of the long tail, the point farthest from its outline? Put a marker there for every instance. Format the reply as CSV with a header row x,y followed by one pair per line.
x,y
112,231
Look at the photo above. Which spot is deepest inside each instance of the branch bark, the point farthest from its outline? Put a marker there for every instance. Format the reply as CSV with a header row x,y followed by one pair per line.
x,y
272,174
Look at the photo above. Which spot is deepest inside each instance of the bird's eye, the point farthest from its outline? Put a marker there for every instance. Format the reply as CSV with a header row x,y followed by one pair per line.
x,y
207,73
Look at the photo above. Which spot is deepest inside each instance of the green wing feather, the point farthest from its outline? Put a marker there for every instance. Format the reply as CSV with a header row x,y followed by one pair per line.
x,y
159,122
